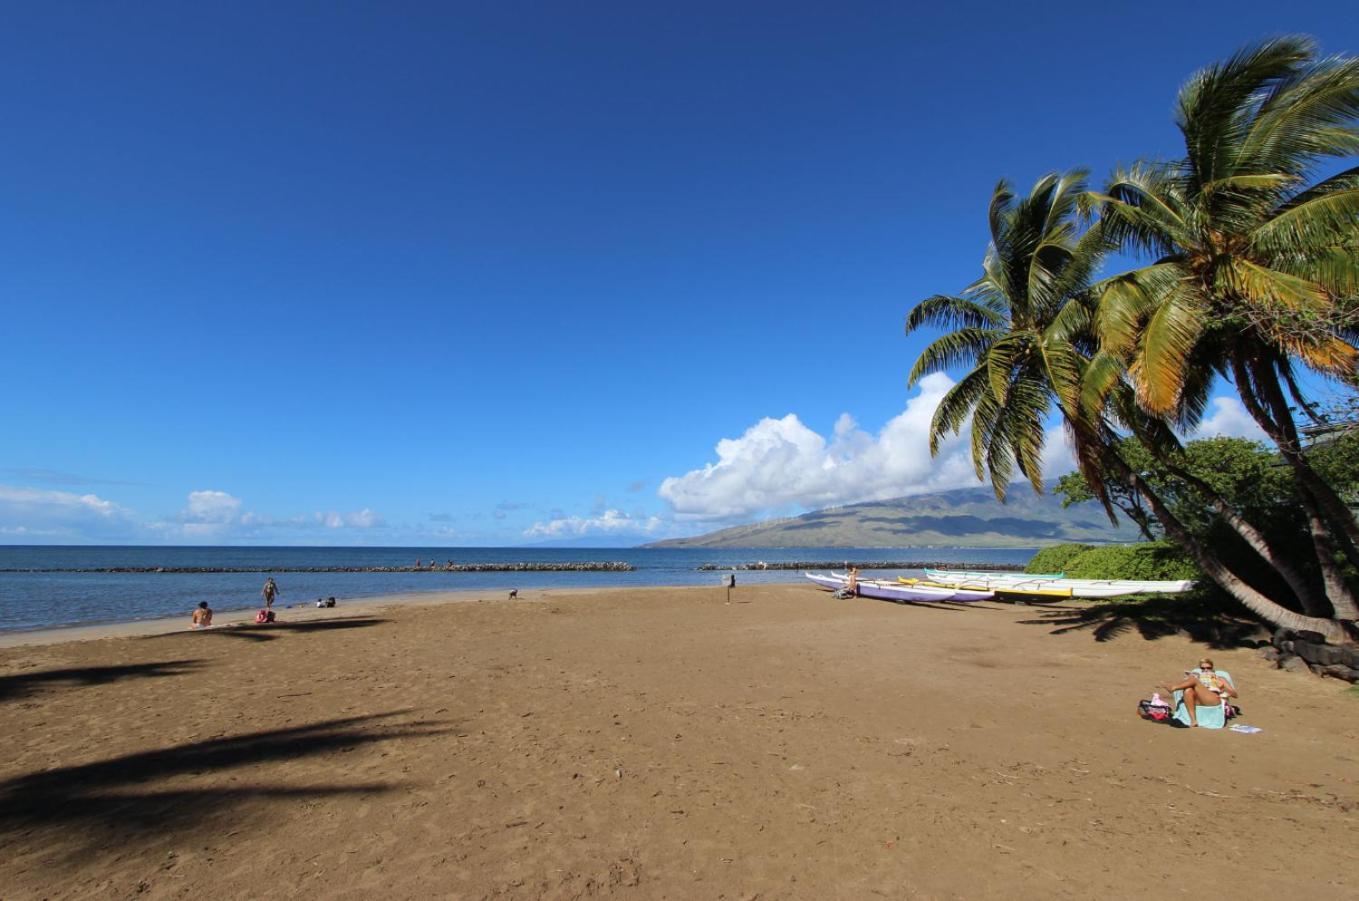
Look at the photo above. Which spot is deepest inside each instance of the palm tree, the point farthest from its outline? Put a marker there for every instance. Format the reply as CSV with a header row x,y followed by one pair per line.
x,y
1017,330
1025,330
1255,262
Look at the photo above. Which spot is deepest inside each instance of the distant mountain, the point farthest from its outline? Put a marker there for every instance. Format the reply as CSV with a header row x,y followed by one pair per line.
x,y
965,517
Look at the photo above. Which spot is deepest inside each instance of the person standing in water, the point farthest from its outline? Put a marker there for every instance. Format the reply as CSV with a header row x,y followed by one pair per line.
x,y
270,591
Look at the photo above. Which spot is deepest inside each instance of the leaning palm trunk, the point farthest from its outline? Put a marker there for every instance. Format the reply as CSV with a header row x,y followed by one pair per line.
x,y
1162,444
1215,569
1256,541
1277,422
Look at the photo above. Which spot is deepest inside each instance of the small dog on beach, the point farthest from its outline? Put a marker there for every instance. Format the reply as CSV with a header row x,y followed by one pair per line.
x,y
514,593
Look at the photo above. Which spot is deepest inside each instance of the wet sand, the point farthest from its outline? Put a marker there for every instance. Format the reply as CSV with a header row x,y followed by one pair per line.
x,y
659,743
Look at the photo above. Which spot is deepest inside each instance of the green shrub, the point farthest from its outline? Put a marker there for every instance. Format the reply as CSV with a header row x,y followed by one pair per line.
x,y
1055,559
1152,560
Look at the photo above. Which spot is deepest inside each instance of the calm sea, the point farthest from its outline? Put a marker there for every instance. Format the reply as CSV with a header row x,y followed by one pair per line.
x,y
43,600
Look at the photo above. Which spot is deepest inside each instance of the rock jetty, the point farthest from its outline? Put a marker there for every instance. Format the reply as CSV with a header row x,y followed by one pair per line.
x,y
860,564
587,566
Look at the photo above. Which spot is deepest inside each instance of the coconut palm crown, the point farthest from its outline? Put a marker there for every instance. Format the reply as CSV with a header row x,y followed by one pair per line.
x,y
1016,328
1255,261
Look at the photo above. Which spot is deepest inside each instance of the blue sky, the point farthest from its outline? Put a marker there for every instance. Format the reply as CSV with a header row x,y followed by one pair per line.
x,y
450,274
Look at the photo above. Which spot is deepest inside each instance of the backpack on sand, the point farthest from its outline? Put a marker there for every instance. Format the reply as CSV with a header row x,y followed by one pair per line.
x,y
1157,713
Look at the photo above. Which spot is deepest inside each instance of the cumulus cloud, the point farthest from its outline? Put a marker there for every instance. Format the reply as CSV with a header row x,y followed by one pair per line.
x,y
608,522
1228,418
781,463
42,512
218,515
211,507
361,519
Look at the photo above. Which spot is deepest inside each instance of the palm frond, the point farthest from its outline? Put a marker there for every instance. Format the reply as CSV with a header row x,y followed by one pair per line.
x,y
965,345
946,311
1318,220
1216,106
1158,369
955,407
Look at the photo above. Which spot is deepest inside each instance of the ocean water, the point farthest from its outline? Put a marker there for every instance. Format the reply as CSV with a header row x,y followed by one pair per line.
x,y
38,600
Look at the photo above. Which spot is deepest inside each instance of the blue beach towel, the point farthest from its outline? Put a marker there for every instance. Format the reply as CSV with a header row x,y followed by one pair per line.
x,y
1208,717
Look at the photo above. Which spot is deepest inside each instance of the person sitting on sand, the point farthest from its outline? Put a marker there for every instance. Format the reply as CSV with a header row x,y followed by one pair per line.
x,y
1202,687
202,617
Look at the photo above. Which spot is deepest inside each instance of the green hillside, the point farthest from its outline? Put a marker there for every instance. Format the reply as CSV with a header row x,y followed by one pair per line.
x,y
966,517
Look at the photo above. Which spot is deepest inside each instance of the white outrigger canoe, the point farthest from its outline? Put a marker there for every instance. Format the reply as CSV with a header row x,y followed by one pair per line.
x,y
1080,588
894,591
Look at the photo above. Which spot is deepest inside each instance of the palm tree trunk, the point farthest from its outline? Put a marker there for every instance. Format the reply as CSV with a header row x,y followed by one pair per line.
x,y
1337,589
1211,565
1311,604
1228,581
1278,424
1140,518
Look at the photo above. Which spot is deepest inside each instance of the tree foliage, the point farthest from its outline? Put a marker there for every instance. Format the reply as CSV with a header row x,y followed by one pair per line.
x,y
1250,270
1054,559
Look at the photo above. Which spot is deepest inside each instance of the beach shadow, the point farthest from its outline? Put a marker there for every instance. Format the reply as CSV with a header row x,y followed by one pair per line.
x,y
271,631
941,606
121,800
20,685
1201,616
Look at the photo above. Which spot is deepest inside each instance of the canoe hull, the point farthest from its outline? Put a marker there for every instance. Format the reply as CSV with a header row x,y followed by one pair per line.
x,y
1023,583
893,591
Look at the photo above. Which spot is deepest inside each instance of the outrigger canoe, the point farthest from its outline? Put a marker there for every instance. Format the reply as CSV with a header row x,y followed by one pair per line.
x,y
1017,583
989,589
892,591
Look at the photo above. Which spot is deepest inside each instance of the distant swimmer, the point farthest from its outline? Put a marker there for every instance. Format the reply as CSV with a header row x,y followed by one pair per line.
x,y
202,617
270,591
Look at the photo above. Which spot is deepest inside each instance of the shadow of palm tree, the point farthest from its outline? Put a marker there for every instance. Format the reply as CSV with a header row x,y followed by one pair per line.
x,y
20,685
271,631
122,799
1202,616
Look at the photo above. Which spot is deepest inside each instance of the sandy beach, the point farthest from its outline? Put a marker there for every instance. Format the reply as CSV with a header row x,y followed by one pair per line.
x,y
659,743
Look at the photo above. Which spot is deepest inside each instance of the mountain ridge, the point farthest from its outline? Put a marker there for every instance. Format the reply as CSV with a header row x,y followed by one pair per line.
x,y
961,517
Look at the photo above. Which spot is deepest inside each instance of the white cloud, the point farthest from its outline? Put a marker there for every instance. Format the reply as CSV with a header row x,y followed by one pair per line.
x,y
781,463
219,515
211,507
36,511
1229,419
362,519
207,515
609,522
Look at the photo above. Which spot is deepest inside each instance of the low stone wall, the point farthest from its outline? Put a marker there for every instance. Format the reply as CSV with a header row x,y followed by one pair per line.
x,y
1297,651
